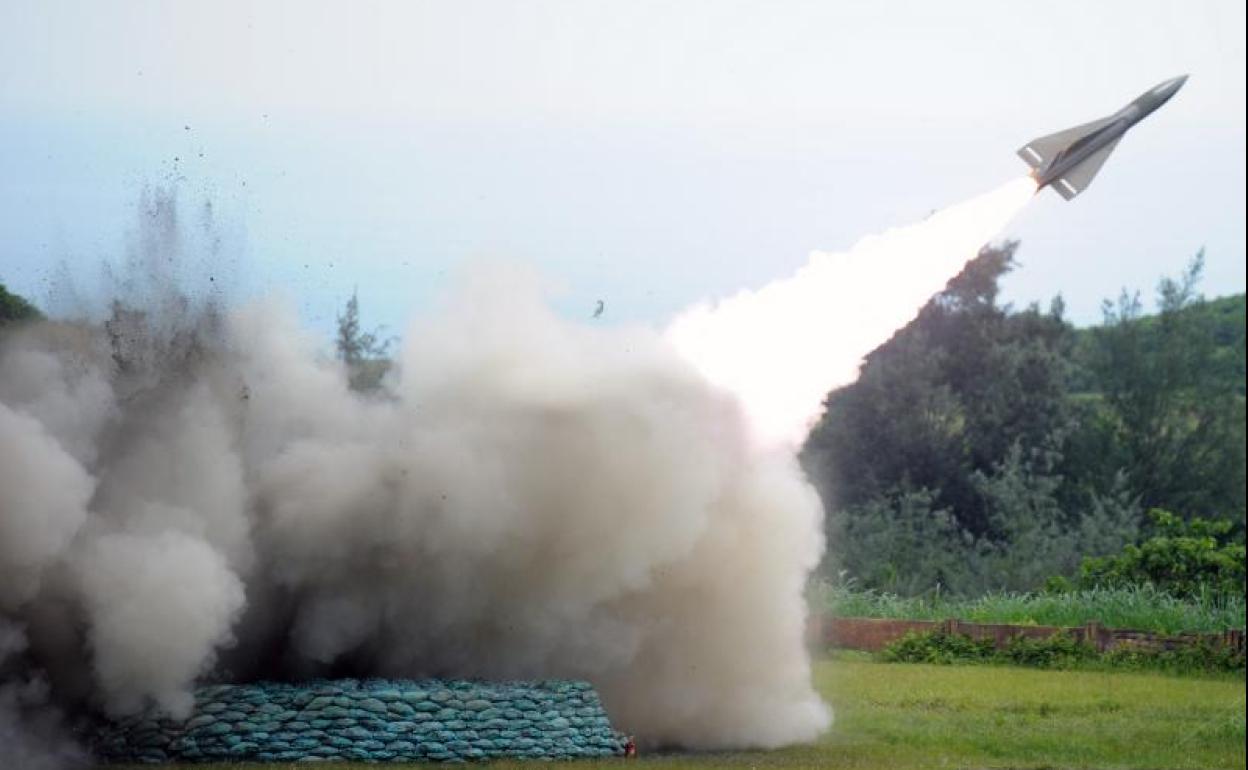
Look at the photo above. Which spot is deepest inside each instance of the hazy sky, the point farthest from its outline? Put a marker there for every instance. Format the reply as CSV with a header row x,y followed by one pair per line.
x,y
646,153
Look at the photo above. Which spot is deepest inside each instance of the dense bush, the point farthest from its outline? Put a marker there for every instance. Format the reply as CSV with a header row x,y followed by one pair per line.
x,y
905,544
1184,558
937,647
1203,657
1057,651
1060,651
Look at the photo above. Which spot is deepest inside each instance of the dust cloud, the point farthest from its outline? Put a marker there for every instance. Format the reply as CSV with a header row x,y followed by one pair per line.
x,y
191,492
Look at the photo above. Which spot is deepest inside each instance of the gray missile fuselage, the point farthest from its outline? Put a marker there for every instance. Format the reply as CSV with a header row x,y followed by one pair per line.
x,y
1068,160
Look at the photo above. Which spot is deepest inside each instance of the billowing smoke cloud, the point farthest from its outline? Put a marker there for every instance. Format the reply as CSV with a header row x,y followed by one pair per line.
x,y
33,733
158,606
45,493
192,495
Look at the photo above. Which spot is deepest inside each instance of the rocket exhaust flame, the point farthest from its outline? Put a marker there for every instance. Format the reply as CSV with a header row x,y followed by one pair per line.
x,y
191,494
781,348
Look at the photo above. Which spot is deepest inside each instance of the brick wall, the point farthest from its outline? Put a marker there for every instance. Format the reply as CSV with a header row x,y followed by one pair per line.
x,y
872,634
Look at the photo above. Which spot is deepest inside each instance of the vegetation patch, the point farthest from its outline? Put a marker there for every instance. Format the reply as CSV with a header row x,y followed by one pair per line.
x,y
1062,651
985,449
1189,559
1140,607
14,308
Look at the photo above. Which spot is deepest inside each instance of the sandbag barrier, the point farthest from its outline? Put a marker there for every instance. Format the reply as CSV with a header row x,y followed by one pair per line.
x,y
372,721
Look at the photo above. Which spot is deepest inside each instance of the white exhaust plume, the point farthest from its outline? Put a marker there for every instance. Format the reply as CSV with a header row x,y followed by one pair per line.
x,y
189,495
781,348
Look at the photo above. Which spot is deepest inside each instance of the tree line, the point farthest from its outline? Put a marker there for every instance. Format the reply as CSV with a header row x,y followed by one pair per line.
x,y
985,448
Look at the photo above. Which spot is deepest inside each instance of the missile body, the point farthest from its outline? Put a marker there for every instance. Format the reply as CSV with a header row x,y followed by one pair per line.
x,y
1068,160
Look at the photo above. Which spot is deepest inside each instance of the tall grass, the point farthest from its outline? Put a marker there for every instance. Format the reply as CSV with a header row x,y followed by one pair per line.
x,y
1142,608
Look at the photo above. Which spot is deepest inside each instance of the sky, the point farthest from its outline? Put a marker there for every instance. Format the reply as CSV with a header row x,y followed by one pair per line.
x,y
648,154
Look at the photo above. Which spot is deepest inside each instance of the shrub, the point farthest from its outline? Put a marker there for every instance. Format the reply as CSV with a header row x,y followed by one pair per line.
x,y
1200,658
938,647
1061,651
1057,651
1185,559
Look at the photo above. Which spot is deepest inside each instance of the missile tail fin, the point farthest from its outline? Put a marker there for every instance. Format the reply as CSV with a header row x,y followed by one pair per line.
x,y
1078,178
1041,151
1032,156
1064,188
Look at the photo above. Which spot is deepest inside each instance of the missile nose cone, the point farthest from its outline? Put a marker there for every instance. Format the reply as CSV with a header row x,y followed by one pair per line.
x,y
1168,88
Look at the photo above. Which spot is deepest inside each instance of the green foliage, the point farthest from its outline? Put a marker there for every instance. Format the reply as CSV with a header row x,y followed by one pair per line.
x,y
1057,585
899,544
364,353
1056,651
937,647
1034,537
1203,657
946,397
1142,608
905,544
1186,559
15,308
1060,651
1167,405
985,449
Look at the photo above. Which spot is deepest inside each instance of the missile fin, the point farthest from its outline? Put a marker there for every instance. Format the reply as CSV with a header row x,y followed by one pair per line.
x,y
1042,150
1064,188
1081,176
1032,156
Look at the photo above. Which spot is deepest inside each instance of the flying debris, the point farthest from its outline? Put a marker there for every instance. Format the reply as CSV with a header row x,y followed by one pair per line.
x,y
1068,160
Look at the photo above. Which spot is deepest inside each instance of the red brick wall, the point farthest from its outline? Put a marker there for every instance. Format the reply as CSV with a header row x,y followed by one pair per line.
x,y
871,634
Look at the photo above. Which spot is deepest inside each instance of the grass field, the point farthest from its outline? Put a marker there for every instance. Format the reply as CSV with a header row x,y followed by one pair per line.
x,y
1141,608
900,716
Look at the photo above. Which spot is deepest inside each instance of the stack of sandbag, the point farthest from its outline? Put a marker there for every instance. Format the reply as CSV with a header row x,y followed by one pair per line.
x,y
373,720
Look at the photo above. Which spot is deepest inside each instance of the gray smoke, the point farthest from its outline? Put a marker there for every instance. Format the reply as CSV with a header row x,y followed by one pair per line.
x,y
33,734
189,494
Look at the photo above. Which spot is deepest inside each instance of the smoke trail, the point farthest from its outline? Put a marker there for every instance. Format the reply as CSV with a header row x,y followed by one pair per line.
x,y
781,348
189,495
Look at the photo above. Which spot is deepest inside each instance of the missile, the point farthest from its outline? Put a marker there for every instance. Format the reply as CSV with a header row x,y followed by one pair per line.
x,y
1068,160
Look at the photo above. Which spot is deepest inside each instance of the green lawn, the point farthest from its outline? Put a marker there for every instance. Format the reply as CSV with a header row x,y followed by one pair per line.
x,y
900,716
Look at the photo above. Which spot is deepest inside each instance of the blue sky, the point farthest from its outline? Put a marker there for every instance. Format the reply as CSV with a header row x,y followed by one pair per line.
x,y
649,154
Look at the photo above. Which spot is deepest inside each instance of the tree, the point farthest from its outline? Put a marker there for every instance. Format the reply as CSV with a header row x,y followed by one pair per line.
x,y
1034,536
1172,414
364,353
899,543
945,398
15,308
987,448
